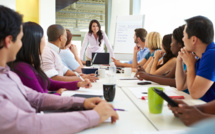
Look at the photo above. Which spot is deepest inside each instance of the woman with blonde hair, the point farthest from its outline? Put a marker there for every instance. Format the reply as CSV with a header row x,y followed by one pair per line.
x,y
153,42
163,60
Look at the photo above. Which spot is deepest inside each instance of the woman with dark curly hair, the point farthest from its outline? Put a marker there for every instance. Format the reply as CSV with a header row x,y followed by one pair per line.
x,y
96,39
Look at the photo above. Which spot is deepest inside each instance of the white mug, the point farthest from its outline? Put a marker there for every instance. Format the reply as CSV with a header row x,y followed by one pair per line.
x,y
127,71
101,73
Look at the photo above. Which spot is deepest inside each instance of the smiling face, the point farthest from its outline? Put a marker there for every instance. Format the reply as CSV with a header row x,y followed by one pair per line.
x,y
15,46
95,27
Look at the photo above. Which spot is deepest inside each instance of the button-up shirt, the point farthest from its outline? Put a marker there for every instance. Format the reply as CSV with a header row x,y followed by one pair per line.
x,y
51,62
68,59
94,45
19,106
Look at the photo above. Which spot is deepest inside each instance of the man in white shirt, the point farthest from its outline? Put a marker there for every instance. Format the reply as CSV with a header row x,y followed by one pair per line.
x,y
51,61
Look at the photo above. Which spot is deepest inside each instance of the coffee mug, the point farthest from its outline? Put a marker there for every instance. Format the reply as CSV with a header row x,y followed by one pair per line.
x,y
109,91
88,63
155,102
127,71
101,73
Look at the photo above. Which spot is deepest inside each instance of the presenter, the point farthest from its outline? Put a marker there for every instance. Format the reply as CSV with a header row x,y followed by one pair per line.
x,y
96,39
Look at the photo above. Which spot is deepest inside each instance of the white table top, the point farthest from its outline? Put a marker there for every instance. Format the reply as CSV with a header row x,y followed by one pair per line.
x,y
137,117
130,121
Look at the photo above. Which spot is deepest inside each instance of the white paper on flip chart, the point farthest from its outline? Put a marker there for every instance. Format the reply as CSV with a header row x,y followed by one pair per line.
x,y
142,91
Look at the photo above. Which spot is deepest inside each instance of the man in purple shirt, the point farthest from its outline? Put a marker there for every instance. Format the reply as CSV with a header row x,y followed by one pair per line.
x,y
19,104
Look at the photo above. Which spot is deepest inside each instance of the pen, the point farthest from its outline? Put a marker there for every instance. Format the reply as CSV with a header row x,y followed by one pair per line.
x,y
117,109
79,76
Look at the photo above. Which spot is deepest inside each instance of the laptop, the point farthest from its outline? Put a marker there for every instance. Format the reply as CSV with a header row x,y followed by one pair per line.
x,y
100,58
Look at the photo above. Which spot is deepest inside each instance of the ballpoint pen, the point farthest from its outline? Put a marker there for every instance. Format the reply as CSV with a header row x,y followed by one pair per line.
x,y
79,76
117,109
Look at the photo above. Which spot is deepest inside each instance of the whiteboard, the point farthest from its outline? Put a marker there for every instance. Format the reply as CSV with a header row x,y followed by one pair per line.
x,y
125,26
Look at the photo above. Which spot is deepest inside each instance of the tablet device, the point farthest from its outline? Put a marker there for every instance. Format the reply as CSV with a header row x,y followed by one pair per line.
x,y
101,58
86,95
165,97
144,83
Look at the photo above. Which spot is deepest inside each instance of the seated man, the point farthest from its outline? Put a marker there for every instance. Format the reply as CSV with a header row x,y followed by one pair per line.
x,y
51,61
139,39
19,104
200,76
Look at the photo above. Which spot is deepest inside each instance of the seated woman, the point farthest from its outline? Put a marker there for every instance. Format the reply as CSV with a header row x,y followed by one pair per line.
x,y
153,42
167,59
27,63
69,55
176,44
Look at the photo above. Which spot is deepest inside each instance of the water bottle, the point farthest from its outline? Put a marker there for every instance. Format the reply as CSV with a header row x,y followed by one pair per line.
x,y
112,73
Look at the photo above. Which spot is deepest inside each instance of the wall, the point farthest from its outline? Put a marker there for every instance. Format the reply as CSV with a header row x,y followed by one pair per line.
x,y
47,14
119,8
29,9
9,3
46,11
166,15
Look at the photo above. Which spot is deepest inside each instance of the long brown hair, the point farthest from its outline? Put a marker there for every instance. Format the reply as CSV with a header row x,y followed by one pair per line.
x,y
99,33
69,37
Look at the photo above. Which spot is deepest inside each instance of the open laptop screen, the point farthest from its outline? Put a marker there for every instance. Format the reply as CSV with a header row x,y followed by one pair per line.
x,y
101,58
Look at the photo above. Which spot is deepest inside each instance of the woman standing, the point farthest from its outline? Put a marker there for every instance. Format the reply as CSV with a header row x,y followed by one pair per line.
x,y
96,39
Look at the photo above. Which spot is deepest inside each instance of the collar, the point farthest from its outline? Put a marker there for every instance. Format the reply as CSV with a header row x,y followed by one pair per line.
x,y
54,47
4,70
211,45
143,49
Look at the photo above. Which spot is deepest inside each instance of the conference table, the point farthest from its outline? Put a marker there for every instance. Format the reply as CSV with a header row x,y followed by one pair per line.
x,y
136,119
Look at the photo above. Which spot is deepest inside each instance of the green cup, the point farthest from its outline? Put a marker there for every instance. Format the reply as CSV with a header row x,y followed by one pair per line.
x,y
155,102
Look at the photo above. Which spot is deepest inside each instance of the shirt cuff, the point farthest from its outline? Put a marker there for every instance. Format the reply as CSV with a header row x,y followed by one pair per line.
x,y
65,69
78,103
93,117
57,94
51,73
